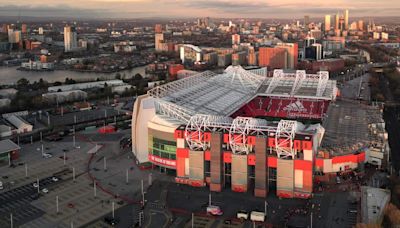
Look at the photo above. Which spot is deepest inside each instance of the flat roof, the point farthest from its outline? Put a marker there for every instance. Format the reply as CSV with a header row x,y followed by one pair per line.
x,y
347,127
8,146
373,204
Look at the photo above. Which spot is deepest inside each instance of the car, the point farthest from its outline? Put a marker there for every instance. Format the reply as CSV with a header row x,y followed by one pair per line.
x,y
35,185
338,181
228,222
242,215
35,196
70,205
120,202
214,210
46,155
54,179
45,190
111,221
257,216
1,185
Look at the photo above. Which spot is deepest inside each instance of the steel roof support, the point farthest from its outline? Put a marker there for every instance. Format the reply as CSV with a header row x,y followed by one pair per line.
x,y
284,138
322,82
300,77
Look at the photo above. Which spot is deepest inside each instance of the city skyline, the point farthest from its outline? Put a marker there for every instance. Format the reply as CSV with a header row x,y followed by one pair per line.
x,y
197,8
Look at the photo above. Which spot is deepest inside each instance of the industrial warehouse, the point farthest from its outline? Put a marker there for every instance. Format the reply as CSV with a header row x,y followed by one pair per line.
x,y
245,131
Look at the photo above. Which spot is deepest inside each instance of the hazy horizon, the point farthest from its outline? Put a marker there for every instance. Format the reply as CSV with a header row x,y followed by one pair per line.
x,y
125,9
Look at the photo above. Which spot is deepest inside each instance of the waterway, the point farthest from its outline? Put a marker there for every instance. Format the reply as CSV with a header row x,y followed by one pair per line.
x,y
10,75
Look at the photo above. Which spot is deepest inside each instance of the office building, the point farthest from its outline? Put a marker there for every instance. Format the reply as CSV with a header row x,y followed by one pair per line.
x,y
346,19
306,21
159,40
337,21
158,28
272,57
235,39
70,39
327,25
360,25
292,54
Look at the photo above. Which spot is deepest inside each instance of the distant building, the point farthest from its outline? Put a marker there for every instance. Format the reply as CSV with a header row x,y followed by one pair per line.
x,y
292,54
24,28
86,85
20,124
346,19
313,66
159,39
239,58
360,25
158,28
272,57
37,65
70,39
190,53
327,23
235,39
14,36
67,96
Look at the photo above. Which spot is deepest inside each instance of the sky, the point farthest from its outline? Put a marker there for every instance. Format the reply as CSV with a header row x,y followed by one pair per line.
x,y
196,8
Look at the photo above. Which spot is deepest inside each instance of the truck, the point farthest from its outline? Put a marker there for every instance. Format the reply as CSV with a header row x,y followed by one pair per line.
x,y
257,216
214,210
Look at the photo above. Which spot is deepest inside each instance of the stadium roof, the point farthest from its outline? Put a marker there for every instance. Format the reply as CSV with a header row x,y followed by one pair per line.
x,y
222,94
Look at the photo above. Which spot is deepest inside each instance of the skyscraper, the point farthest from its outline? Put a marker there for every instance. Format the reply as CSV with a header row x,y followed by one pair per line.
x,y
158,28
337,19
360,25
346,19
70,38
159,39
235,39
327,23
306,20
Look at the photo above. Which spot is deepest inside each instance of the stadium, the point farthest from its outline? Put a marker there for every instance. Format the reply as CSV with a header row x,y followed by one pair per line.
x,y
245,131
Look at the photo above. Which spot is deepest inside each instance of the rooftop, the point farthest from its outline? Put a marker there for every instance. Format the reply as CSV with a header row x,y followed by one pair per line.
x,y
222,94
347,127
8,146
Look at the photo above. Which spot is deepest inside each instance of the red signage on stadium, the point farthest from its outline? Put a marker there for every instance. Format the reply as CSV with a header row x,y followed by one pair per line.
x,y
284,107
162,161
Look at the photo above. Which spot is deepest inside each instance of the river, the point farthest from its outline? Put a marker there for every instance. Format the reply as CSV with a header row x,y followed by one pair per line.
x,y
10,75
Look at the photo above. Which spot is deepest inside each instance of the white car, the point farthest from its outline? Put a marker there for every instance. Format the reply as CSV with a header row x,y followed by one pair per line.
x,y
35,185
242,215
47,155
1,185
55,179
45,190
257,216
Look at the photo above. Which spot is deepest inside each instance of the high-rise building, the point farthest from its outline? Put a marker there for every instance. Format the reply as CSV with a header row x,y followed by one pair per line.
x,y
306,21
70,39
252,56
272,57
40,30
346,19
235,39
360,25
159,39
327,23
292,54
337,19
318,51
24,28
14,36
309,41
158,28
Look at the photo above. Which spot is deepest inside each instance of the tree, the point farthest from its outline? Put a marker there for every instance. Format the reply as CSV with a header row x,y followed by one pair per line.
x,y
138,77
22,84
